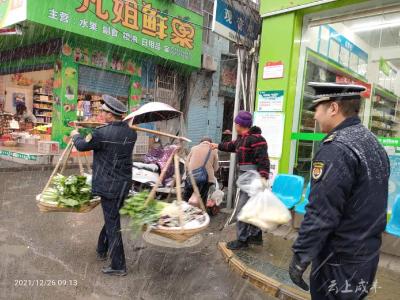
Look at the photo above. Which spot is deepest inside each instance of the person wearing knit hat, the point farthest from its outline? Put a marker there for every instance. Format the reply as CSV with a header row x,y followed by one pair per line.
x,y
244,119
252,154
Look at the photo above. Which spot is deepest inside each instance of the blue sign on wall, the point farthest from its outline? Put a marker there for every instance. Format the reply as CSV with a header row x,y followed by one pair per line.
x,y
235,22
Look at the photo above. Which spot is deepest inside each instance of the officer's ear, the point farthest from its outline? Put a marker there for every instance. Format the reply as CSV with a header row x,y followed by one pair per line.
x,y
334,108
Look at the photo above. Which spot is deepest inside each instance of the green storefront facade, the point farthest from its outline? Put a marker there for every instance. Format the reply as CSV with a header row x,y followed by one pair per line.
x,y
343,41
81,38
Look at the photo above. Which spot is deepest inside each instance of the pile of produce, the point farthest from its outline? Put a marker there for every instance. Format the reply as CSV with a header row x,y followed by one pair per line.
x,y
192,216
72,191
141,214
158,213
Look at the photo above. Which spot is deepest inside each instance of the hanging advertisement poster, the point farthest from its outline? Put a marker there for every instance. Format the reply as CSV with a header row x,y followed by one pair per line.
x,y
272,125
270,100
273,69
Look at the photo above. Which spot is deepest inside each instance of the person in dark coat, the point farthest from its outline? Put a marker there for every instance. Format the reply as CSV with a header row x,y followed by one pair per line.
x,y
112,145
252,154
346,215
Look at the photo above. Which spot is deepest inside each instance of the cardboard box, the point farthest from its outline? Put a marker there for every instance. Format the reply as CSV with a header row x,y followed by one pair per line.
x,y
48,147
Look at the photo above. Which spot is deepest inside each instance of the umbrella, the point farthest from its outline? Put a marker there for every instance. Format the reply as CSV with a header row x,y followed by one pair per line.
x,y
152,112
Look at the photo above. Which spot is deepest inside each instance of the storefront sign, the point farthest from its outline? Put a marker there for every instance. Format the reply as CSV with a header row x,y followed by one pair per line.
x,y
12,12
236,23
270,100
384,66
341,50
273,69
270,8
158,28
346,80
272,125
18,155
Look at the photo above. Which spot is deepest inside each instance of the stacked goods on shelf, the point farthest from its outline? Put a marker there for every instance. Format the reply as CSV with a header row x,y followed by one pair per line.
x,y
384,121
42,104
5,119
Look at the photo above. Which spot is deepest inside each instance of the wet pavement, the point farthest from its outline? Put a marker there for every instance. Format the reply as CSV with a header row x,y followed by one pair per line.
x,y
273,258
52,256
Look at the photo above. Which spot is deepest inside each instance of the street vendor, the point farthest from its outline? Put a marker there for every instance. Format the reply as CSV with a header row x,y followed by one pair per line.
x,y
252,154
112,175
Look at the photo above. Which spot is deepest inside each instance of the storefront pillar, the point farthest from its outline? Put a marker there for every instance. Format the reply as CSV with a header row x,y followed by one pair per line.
x,y
281,44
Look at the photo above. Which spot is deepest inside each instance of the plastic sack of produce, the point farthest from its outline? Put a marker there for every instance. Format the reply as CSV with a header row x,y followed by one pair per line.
x,y
251,183
263,209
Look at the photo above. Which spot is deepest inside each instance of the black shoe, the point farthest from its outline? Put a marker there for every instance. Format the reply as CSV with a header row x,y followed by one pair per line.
x,y
101,256
255,240
237,245
111,271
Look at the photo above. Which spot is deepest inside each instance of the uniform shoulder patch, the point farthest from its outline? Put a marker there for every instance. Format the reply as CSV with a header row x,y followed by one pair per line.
x,y
88,138
330,138
317,169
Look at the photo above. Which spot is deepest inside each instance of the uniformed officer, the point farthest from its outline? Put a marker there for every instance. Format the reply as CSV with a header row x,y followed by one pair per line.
x,y
346,215
112,174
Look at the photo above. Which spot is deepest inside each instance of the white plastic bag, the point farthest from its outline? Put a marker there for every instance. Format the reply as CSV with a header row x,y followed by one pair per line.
x,y
216,194
265,211
251,183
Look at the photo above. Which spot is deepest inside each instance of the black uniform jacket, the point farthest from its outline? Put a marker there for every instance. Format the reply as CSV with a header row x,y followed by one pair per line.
x,y
112,145
346,214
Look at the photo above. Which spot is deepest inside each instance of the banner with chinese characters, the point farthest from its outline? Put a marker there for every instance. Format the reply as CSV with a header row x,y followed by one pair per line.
x,y
158,28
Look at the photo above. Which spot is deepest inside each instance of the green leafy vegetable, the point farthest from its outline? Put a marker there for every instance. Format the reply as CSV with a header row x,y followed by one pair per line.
x,y
72,191
141,215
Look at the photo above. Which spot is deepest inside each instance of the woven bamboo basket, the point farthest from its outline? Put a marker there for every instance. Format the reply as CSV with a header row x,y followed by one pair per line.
x,y
49,207
54,207
180,234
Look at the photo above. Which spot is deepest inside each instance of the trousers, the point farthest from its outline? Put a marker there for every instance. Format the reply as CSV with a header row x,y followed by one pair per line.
x,y
110,238
342,280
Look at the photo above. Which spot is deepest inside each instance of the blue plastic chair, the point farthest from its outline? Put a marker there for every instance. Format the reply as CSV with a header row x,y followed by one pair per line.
x,y
301,207
288,188
393,227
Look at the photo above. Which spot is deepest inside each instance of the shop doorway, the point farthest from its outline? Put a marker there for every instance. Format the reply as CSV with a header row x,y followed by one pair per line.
x,y
361,48
92,84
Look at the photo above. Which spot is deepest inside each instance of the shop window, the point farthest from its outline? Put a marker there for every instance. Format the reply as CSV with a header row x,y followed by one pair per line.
x,y
358,50
195,5
208,35
166,90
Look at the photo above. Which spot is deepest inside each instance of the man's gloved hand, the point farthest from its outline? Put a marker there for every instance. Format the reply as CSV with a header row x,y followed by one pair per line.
x,y
296,270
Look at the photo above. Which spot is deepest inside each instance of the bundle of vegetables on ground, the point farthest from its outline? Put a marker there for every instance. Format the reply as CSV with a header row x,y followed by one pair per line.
x,y
158,213
72,191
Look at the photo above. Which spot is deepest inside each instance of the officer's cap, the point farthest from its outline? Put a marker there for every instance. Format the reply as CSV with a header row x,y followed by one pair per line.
x,y
328,91
113,105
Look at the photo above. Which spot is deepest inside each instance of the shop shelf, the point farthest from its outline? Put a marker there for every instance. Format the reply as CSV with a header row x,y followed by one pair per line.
x,y
43,101
304,159
49,109
43,116
308,128
42,94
